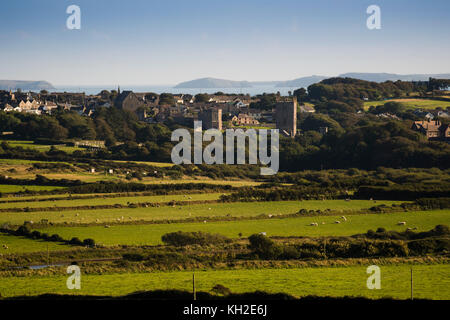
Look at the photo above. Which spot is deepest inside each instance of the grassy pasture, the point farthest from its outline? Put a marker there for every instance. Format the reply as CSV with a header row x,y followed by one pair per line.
x,y
20,244
150,234
412,103
26,144
236,209
9,188
110,201
430,281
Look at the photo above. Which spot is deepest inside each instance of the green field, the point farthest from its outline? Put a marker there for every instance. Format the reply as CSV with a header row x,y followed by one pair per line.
x,y
412,103
9,188
20,244
110,201
430,281
26,144
235,209
150,234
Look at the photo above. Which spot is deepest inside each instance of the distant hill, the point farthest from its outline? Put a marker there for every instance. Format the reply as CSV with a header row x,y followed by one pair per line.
x,y
381,77
25,85
303,82
213,83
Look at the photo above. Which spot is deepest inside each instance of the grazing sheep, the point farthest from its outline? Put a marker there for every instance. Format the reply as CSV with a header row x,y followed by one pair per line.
x,y
313,224
408,229
323,222
5,246
204,221
106,226
344,218
77,214
263,233
401,223
337,221
270,216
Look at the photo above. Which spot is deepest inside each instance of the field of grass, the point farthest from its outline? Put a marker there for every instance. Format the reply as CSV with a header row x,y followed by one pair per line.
x,y
235,209
412,103
26,144
9,188
111,201
150,234
430,281
20,244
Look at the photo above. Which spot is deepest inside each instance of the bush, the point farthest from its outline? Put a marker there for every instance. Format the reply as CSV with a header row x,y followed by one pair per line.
x,y
89,242
181,238
133,257
56,238
75,241
263,246
23,230
35,235
220,290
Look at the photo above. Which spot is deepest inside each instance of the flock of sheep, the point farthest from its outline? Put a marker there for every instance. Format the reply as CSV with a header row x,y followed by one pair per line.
x,y
315,224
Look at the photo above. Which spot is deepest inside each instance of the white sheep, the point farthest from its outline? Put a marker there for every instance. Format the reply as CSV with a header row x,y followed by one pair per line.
x,y
313,224
344,218
337,221
401,223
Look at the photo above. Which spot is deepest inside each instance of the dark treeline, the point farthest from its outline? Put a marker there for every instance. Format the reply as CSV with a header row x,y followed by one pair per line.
x,y
407,192
112,187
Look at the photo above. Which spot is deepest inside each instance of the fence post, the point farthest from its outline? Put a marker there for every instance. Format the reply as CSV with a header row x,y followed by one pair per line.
x,y
193,286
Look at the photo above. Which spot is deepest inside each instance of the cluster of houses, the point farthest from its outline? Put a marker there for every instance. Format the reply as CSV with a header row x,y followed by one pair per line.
x,y
33,103
184,109
433,129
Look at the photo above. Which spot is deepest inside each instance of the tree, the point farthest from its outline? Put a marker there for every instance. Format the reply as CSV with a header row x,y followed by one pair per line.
x,y
201,97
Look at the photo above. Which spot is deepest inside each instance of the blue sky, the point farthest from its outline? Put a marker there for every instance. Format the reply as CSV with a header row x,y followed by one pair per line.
x,y
137,42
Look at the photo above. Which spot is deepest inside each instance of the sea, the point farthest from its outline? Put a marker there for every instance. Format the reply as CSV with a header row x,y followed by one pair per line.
x,y
254,90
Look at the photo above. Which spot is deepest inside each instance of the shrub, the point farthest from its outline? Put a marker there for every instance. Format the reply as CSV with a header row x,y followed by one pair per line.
x,y
220,290
181,238
35,235
55,238
133,257
75,241
263,246
23,230
89,242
